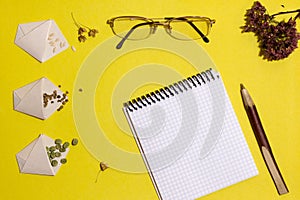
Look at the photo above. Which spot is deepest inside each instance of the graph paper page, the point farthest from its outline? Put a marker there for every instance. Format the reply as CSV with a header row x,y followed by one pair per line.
x,y
192,142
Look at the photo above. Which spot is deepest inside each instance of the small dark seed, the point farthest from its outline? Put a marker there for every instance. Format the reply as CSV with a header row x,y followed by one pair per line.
x,y
54,163
66,145
63,161
74,142
58,141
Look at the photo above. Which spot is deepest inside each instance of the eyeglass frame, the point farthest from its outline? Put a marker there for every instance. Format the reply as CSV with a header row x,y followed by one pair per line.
x,y
153,23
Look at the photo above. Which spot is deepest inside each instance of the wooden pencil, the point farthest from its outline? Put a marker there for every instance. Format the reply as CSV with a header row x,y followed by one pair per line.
x,y
262,141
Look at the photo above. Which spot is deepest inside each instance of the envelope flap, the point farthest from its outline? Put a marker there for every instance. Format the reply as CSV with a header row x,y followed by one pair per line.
x,y
35,41
38,161
24,154
24,29
32,102
21,92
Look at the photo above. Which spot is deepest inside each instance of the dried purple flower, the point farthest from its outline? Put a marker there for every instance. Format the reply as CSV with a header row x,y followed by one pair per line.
x,y
280,41
256,18
277,40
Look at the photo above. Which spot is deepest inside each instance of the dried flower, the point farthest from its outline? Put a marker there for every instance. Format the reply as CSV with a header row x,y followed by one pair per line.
x,y
82,29
92,32
277,40
103,166
82,38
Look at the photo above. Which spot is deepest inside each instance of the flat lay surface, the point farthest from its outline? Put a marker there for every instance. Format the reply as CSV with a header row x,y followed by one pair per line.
x,y
97,78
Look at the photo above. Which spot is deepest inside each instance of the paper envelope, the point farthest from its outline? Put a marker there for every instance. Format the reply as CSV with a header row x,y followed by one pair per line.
x,y
33,159
42,39
30,99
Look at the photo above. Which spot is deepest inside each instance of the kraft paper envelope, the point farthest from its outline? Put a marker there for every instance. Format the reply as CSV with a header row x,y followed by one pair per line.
x,y
33,159
42,39
30,99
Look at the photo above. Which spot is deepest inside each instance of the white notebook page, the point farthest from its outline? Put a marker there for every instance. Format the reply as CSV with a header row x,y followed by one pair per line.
x,y
191,142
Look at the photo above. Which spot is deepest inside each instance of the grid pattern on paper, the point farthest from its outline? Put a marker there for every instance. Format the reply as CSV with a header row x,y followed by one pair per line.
x,y
171,134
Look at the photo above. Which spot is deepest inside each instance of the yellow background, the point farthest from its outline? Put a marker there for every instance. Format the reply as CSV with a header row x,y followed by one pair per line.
x,y
273,85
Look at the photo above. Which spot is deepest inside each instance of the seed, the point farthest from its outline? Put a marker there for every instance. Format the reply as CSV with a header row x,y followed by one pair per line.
x,y
66,145
54,163
54,94
52,155
57,154
74,142
58,141
63,161
61,107
62,149
58,146
73,48
52,148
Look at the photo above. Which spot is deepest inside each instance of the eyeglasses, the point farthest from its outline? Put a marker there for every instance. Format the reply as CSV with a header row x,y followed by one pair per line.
x,y
138,28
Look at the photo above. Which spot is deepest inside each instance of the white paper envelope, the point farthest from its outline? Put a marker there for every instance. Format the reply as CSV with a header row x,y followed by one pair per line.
x,y
42,39
33,159
30,99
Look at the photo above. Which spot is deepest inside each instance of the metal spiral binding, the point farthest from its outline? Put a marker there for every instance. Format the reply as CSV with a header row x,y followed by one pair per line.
x,y
171,90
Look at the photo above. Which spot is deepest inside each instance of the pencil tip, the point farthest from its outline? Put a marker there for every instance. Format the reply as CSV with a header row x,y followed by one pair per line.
x,y
242,86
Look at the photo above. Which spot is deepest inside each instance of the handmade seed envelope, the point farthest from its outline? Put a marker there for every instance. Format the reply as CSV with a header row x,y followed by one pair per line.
x,y
33,159
40,98
42,39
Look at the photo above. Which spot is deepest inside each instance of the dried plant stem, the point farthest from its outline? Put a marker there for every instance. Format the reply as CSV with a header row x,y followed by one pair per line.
x,y
287,12
297,16
85,26
97,176
75,22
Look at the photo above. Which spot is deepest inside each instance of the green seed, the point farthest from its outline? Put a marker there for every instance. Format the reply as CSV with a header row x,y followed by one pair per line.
x,y
54,163
57,146
66,145
58,141
52,148
52,155
63,161
62,149
74,142
57,154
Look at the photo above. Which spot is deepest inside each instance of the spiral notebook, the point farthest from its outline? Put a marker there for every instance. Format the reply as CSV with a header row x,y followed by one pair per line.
x,y
189,137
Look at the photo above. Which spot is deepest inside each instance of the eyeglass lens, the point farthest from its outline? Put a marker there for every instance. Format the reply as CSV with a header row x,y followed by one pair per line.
x,y
123,25
177,28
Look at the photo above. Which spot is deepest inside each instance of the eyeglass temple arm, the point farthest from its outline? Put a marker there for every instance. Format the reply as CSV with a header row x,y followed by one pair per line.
x,y
205,39
120,44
